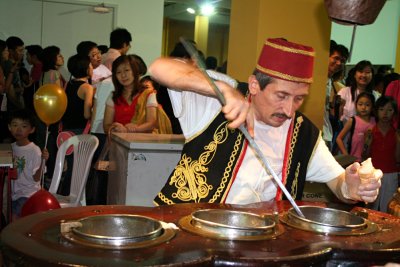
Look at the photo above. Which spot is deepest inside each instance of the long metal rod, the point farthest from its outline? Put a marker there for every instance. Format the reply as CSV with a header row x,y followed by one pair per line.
x,y
193,52
353,36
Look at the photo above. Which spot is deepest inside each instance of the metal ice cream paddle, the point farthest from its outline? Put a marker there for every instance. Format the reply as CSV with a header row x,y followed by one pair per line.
x,y
193,53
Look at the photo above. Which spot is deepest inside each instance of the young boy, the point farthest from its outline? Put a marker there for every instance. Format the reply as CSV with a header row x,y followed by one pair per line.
x,y
27,159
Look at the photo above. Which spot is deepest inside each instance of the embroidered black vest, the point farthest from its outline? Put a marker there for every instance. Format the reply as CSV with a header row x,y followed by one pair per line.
x,y
206,167
302,145
210,161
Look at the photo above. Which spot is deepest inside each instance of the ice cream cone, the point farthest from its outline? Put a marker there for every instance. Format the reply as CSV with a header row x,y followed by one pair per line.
x,y
366,171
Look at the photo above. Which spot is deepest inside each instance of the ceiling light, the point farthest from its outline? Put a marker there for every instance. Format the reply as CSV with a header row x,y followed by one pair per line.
x,y
207,10
190,10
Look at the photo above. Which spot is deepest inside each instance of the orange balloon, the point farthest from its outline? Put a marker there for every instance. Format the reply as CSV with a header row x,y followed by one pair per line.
x,y
50,103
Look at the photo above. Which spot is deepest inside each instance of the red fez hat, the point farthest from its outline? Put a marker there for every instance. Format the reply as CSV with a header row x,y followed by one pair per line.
x,y
288,61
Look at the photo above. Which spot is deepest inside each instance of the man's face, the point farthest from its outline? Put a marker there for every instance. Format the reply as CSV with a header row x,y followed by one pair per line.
x,y
336,63
17,53
279,100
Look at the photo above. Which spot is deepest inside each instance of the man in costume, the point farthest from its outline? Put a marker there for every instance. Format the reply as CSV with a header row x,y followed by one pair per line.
x,y
218,166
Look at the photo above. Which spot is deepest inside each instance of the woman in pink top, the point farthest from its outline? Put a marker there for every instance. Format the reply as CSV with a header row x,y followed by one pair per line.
x,y
359,80
357,126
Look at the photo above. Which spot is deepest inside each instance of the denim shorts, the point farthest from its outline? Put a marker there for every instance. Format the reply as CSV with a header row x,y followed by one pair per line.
x,y
17,205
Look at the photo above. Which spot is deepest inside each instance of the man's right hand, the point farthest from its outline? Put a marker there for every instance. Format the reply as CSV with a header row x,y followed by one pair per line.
x,y
236,107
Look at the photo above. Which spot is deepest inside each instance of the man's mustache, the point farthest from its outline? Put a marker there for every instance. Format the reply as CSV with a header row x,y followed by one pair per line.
x,y
281,115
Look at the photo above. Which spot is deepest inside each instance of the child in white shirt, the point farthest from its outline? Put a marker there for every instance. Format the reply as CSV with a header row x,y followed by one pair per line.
x,y
27,159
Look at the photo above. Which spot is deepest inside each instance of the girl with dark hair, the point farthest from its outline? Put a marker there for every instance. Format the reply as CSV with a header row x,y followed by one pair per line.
x,y
79,94
357,126
79,108
52,61
383,146
122,103
360,80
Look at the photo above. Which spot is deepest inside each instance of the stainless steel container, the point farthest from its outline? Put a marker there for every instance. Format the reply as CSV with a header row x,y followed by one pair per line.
x,y
115,231
328,221
232,225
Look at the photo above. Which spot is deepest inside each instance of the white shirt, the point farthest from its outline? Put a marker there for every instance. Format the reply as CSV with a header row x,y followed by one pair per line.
x,y
101,72
103,90
252,183
27,160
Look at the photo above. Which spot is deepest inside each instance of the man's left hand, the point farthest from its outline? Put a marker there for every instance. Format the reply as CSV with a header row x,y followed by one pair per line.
x,y
366,192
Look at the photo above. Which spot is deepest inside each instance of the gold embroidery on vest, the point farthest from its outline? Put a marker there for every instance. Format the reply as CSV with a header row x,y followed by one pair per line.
x,y
228,169
295,181
165,199
293,142
189,178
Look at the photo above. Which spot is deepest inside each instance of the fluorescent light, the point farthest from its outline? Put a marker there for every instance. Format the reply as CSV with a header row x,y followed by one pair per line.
x,y
207,10
190,10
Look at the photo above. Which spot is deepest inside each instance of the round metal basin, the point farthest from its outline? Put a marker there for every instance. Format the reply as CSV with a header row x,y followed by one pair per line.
x,y
327,220
114,230
232,224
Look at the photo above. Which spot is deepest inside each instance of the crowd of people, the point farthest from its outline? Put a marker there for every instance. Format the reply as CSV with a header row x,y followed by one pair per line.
x,y
361,117
110,92
105,92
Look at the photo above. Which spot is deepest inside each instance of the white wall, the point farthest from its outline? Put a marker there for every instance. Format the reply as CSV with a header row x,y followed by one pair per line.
x,y
376,42
142,18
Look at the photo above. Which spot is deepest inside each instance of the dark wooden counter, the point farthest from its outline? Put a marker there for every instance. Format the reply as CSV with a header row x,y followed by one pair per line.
x,y
36,241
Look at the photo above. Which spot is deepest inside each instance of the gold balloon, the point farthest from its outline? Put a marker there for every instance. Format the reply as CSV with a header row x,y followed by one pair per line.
x,y
50,103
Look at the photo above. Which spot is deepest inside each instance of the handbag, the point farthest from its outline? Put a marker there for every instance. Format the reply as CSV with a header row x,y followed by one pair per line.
x,y
65,135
